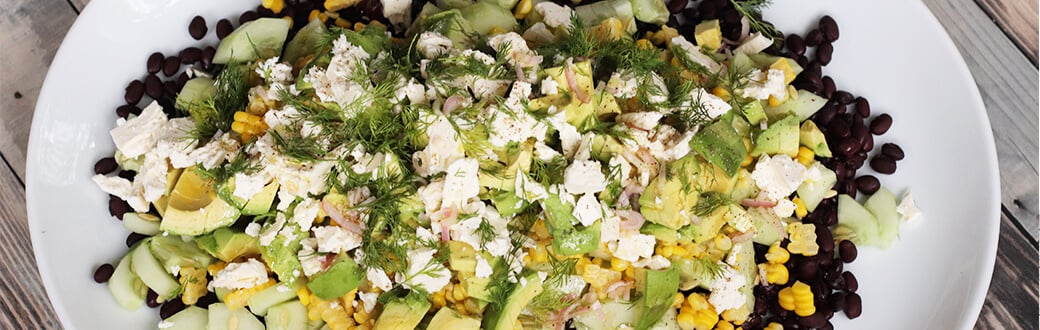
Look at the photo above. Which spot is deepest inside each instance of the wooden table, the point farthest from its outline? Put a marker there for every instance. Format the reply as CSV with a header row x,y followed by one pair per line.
x,y
998,39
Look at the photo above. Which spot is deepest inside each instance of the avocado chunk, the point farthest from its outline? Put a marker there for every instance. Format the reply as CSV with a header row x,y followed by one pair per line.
x,y
261,38
173,251
661,232
568,239
291,315
262,201
226,244
802,105
451,24
502,317
665,203
508,203
754,112
306,41
403,313
594,13
340,278
720,144
461,257
768,227
447,318
811,137
281,255
781,137
708,34
194,208
710,224
657,288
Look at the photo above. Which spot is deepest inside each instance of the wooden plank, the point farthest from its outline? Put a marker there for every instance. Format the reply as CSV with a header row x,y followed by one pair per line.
x,y
1008,83
33,30
79,4
23,301
1011,301
1018,18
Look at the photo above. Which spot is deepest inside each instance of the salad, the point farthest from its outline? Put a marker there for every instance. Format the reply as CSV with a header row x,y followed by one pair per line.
x,y
495,164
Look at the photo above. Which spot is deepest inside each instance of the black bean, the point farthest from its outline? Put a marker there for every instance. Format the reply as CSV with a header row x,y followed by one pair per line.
x,y
224,28
814,68
692,14
103,273
828,87
851,283
813,321
802,60
171,66
795,44
860,133
247,17
155,62
892,150
170,307
825,240
837,301
829,28
134,91
825,115
731,31
839,127
153,86
848,146
151,299
673,21
264,12
853,305
129,175
847,251
828,325
881,124
834,280
868,143
197,28
675,6
105,165
831,218
823,53
133,238
207,55
849,187
814,38
862,107
170,89
125,110
190,55
807,270
730,16
206,300
708,10
843,97
868,184
883,164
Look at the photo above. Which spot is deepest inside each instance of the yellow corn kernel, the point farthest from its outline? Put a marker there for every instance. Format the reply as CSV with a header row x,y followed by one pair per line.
x,y
803,299
343,23
360,316
305,295
315,14
722,242
705,319
723,325
539,255
678,300
215,267
496,30
721,92
358,26
336,5
799,208
776,102
630,273
698,302
644,44
774,326
274,5
598,277
736,315
747,161
686,320
777,254
803,239
459,293
619,264
805,156
539,231
239,298
522,8
193,283
608,29
239,127
472,307
775,273
437,299
664,36
785,298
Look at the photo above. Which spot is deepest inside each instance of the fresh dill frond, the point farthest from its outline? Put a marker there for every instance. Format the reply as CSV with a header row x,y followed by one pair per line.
x,y
752,9
705,268
486,232
554,298
709,201
298,147
548,173
215,114
578,42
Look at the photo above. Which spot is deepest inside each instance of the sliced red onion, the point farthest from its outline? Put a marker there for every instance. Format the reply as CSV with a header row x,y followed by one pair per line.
x,y
452,103
757,203
630,220
341,219
569,72
520,76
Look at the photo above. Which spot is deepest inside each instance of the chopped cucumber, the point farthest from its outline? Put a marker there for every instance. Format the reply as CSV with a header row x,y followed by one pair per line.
x,y
195,90
261,302
141,223
128,289
191,318
812,192
454,4
261,38
802,106
855,222
768,227
594,13
290,315
485,17
305,42
882,204
173,251
152,273
650,11
223,318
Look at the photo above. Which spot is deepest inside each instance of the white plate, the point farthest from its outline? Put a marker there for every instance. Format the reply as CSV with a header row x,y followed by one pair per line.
x,y
934,277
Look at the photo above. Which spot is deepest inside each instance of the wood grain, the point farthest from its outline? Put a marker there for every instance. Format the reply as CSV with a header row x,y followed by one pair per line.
x,y
1012,299
32,31
1008,83
1019,19
23,301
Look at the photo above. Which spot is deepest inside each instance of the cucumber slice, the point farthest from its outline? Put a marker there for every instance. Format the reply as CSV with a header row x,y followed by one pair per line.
x,y
484,17
855,222
594,13
650,11
768,227
223,318
261,302
802,106
127,289
152,273
812,192
173,251
305,42
191,318
141,223
261,38
454,4
504,4
290,315
883,205
195,90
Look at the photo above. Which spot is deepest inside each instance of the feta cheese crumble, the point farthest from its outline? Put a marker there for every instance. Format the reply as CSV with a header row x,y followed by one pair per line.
x,y
241,275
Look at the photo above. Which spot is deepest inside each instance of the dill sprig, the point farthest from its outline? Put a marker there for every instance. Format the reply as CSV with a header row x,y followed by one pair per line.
x,y
709,201
221,175
752,9
706,268
218,112
548,173
554,298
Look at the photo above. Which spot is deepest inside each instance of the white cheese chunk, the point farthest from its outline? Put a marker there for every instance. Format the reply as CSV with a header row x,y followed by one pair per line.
x,y
754,44
632,246
778,176
725,291
555,16
460,181
584,176
424,272
241,275
693,54
139,135
907,208
483,269
335,239
761,86
587,209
